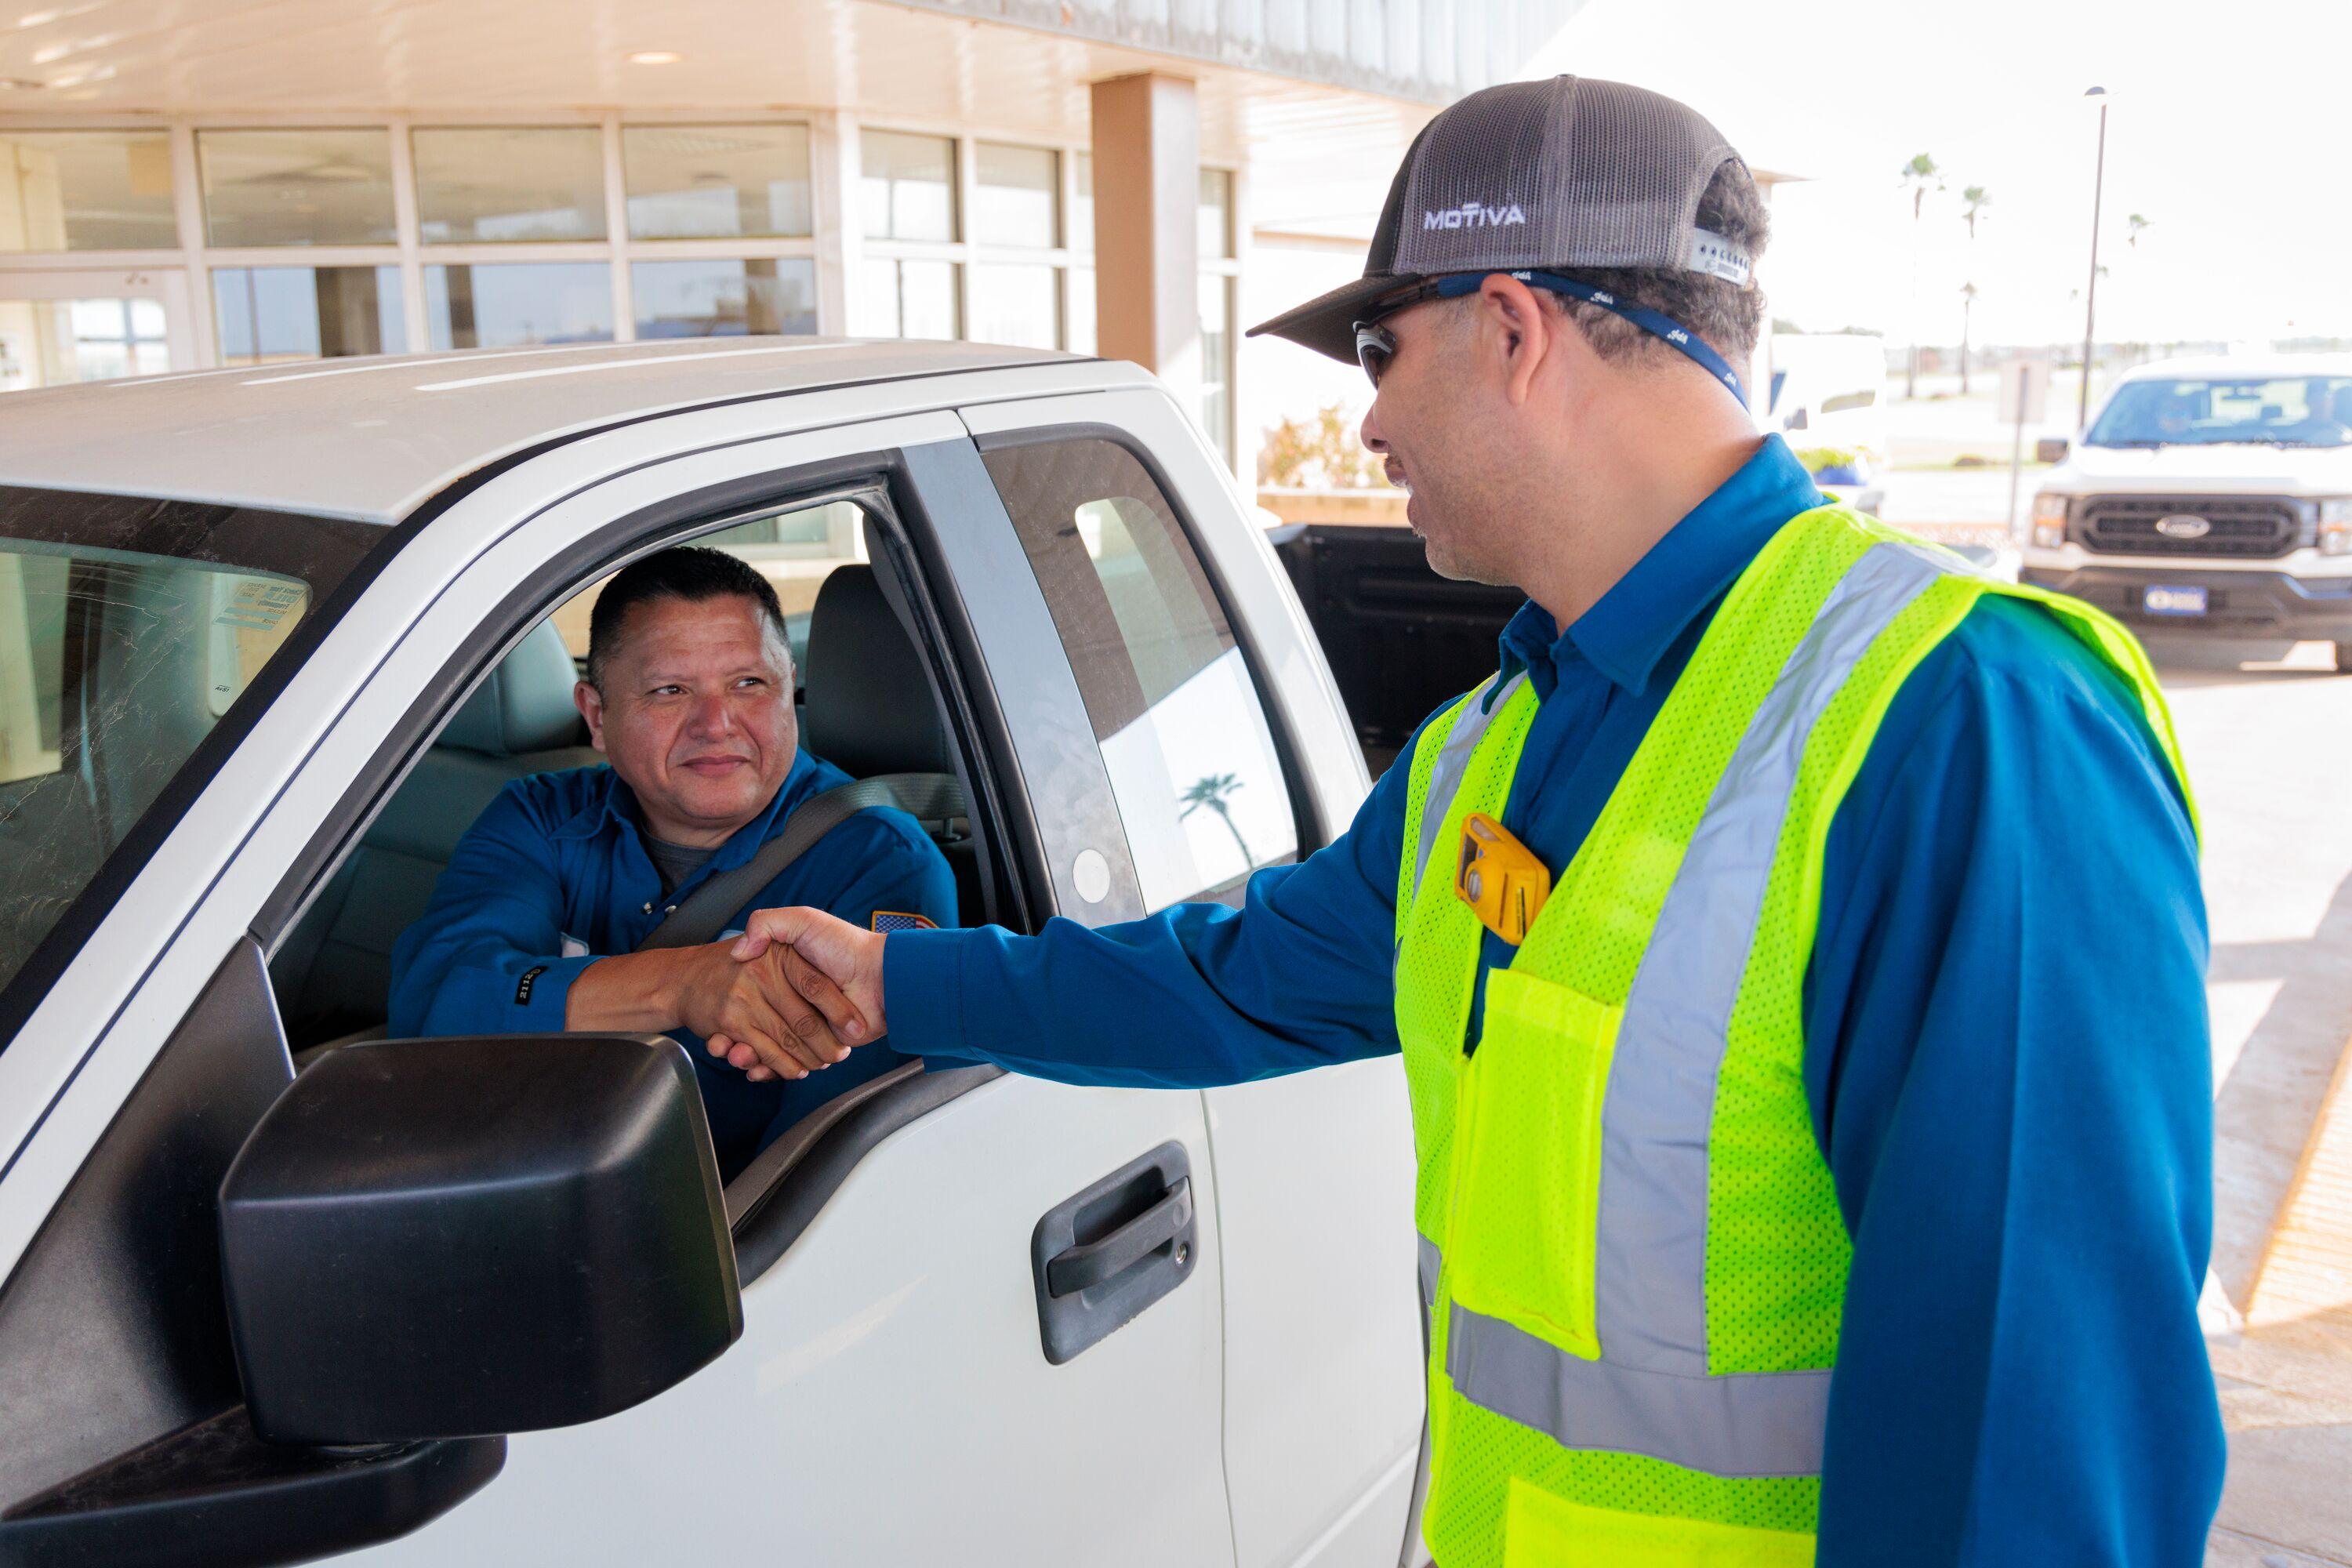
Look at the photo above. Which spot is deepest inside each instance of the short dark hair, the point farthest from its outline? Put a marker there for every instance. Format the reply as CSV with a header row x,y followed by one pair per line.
x,y
1727,316
682,572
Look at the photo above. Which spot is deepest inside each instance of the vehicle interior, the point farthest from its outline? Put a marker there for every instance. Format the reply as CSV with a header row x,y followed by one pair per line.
x,y
865,700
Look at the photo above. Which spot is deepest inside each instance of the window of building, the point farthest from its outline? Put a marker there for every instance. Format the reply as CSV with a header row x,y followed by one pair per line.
x,y
950,238
908,297
1219,225
1192,759
796,548
1013,303
1216,215
1080,339
297,187
716,182
86,190
477,184
1216,405
724,299
908,189
55,342
264,314
1017,197
508,304
1082,202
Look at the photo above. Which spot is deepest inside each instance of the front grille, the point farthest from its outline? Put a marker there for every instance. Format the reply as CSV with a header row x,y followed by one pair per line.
x,y
2248,527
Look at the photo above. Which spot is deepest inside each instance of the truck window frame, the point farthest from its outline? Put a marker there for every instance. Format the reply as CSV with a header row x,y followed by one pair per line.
x,y
1306,817
773,1199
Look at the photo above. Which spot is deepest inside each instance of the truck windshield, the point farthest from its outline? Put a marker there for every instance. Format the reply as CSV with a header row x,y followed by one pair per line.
x,y
137,638
2270,411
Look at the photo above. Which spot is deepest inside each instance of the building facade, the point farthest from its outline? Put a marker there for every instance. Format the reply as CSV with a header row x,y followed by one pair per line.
x,y
190,185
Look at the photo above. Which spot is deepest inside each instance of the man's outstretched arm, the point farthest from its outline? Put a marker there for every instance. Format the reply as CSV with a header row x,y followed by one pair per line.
x,y
1197,994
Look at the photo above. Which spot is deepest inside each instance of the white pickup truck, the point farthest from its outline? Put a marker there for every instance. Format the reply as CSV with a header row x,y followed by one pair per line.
x,y
268,639
2210,495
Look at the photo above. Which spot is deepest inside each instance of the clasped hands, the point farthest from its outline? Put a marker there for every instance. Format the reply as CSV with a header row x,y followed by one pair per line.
x,y
794,993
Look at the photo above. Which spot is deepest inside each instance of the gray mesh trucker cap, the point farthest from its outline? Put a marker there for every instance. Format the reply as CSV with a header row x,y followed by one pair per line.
x,y
1566,172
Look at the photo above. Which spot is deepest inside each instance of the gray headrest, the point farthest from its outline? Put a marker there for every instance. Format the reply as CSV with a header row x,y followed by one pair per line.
x,y
524,705
869,704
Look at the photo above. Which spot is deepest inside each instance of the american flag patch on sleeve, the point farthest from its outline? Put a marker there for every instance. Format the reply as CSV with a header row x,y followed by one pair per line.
x,y
888,921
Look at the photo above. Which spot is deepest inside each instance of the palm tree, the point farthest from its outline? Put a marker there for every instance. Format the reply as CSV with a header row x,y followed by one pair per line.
x,y
1918,176
1211,792
1968,299
1974,202
2135,222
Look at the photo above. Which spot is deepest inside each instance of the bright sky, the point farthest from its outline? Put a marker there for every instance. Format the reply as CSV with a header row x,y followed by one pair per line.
x,y
2229,127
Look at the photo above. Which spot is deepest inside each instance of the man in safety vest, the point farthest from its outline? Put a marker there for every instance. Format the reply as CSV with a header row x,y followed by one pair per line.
x,y
1795,948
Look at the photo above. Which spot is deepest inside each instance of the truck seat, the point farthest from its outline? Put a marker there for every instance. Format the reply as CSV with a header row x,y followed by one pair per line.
x,y
871,712
332,973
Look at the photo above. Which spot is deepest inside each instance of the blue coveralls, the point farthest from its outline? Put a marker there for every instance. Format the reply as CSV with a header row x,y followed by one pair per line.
x,y
559,860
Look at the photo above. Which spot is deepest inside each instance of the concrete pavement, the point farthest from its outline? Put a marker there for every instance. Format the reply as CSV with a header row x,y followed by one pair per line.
x,y
2270,751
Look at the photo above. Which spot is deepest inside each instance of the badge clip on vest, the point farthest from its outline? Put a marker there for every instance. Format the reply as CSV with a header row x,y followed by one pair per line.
x,y
1500,878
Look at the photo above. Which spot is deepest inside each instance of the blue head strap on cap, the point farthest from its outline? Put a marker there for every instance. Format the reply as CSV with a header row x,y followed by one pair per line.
x,y
1664,328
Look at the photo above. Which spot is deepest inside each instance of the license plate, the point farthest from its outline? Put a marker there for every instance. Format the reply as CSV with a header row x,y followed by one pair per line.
x,y
2173,601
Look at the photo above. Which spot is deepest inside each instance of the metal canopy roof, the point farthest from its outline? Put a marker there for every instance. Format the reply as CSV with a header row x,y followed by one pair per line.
x,y
372,438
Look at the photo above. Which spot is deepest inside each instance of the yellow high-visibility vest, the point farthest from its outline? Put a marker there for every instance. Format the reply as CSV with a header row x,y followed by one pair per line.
x,y
1631,1249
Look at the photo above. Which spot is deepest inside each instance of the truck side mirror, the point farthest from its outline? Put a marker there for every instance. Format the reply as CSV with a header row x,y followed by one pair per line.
x,y
2050,450
457,1237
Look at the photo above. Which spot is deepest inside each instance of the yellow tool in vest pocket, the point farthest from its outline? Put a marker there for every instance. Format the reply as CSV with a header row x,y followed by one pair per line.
x,y
1500,878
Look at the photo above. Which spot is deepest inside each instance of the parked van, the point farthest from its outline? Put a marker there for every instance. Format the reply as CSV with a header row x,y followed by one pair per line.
x,y
1829,389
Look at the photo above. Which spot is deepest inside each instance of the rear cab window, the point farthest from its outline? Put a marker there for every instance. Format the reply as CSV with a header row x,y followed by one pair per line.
x,y
1183,735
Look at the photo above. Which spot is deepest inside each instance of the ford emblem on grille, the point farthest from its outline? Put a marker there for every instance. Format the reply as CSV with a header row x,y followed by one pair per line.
x,y
2182,525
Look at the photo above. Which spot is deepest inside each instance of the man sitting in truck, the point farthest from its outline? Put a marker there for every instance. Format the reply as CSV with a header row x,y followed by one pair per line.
x,y
536,923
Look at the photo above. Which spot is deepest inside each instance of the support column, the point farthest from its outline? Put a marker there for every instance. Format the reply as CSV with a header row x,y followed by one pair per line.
x,y
1146,165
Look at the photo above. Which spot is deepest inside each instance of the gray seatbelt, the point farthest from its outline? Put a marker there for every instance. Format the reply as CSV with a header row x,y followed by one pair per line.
x,y
701,915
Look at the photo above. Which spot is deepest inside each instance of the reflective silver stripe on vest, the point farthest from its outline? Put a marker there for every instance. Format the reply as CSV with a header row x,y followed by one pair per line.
x,y
1445,774
1429,1261
1651,1394
1768,1424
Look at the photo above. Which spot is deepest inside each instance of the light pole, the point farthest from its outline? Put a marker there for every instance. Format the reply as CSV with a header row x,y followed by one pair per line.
x,y
2091,297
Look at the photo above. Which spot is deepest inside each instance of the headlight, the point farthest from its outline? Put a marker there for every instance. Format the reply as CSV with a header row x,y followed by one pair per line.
x,y
2336,526
2049,520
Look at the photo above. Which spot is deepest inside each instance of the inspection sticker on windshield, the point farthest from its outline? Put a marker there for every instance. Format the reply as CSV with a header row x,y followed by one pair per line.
x,y
260,607
2173,601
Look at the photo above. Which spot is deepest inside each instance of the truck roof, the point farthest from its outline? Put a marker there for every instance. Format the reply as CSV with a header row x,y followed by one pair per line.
x,y
372,438
2240,367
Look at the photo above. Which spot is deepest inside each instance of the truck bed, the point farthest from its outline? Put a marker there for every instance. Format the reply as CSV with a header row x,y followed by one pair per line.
x,y
1400,639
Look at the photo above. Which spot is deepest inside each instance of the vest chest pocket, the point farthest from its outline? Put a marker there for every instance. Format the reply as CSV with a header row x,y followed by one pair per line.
x,y
1528,1187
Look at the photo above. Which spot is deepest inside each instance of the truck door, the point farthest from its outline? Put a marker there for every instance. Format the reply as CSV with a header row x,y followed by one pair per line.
x,y
1228,750
918,1381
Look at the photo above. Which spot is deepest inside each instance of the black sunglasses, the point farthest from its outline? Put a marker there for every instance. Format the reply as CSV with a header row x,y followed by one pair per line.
x,y
1375,344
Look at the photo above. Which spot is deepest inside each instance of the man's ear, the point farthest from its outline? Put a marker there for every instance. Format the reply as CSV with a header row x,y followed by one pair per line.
x,y
591,704
1521,331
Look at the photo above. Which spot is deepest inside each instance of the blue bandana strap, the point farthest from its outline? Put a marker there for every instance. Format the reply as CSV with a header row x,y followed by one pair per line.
x,y
1664,328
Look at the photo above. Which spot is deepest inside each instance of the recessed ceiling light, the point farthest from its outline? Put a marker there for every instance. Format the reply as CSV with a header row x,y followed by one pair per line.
x,y
655,58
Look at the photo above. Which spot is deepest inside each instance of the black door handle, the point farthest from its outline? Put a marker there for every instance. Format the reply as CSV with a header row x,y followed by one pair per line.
x,y
1081,1268
1101,1258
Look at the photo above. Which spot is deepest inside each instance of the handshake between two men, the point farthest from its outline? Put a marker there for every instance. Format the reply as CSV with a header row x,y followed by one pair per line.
x,y
794,993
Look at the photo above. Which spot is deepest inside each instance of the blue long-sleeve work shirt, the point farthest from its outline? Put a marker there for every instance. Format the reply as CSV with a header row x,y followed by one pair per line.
x,y
554,875
2006,1048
